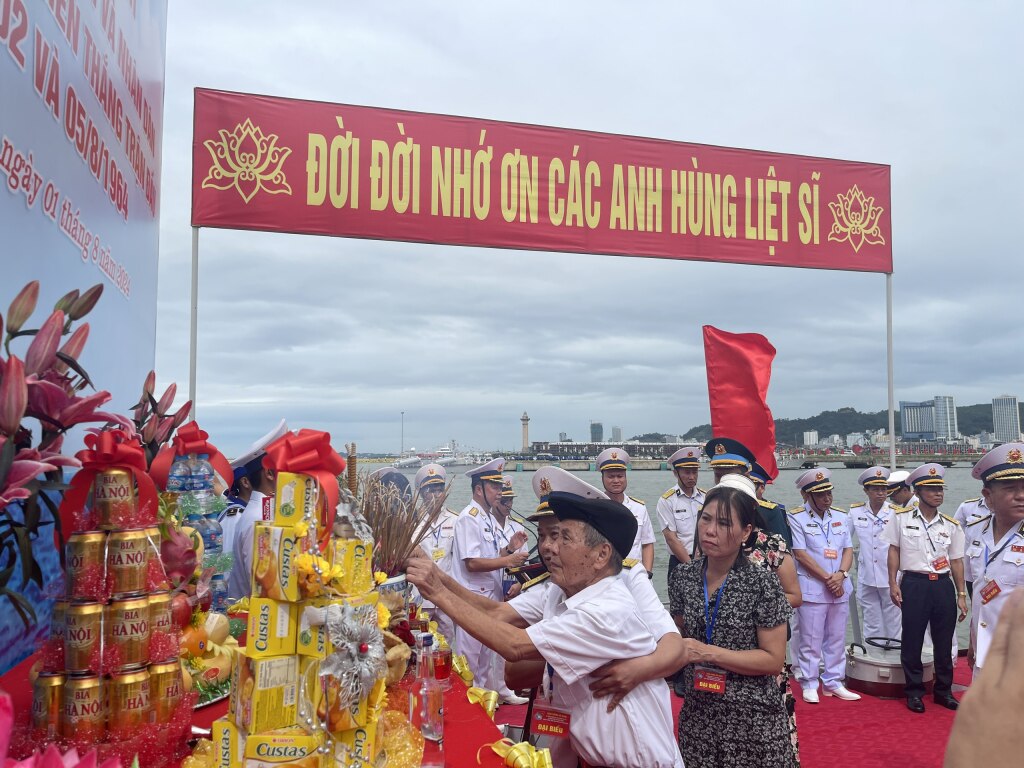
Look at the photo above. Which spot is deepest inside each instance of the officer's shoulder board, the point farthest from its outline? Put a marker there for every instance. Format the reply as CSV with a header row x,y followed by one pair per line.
x,y
971,501
857,504
796,510
953,521
978,520
638,501
900,510
630,562
702,491
837,509
670,493
473,511
535,581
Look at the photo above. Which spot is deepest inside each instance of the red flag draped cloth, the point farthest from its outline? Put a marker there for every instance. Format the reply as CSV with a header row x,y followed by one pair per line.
x,y
739,367
113,449
309,452
189,439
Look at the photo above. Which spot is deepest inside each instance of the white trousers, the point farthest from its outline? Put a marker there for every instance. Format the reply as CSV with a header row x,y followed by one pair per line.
x,y
444,624
488,668
881,617
822,638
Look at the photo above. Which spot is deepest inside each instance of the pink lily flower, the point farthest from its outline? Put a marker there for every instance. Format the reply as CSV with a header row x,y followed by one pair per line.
x,y
53,406
13,396
42,352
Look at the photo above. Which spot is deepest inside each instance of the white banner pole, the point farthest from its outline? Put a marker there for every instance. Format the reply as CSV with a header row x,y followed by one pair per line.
x,y
889,357
193,329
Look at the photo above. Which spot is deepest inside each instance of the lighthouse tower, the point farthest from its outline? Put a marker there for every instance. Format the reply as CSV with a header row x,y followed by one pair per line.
x,y
526,432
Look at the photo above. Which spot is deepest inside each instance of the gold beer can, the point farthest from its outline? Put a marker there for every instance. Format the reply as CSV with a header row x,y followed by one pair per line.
x,y
128,698
128,562
60,607
165,689
84,556
82,629
160,613
47,704
153,542
113,498
127,628
84,714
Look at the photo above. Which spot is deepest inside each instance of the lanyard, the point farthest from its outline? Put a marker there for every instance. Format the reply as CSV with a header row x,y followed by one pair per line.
x,y
551,683
988,559
710,617
924,524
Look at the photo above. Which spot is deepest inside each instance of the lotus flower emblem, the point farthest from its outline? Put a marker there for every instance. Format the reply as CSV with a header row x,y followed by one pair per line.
x,y
248,160
855,219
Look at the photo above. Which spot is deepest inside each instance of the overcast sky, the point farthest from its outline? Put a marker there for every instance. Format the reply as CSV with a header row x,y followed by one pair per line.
x,y
344,335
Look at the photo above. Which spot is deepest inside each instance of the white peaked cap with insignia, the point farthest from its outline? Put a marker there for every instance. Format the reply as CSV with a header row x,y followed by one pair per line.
x,y
430,475
612,458
740,483
817,480
490,471
898,479
1005,462
507,491
548,480
927,474
688,456
259,448
874,476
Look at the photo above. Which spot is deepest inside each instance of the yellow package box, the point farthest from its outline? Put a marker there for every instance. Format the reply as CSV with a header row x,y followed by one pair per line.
x,y
355,557
272,628
310,687
264,693
274,552
295,498
291,747
358,743
313,639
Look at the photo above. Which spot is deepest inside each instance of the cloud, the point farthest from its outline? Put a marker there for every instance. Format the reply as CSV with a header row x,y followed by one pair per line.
x,y
345,335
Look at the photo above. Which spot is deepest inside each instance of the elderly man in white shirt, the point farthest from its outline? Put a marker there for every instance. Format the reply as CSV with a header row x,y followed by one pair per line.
x,y
591,619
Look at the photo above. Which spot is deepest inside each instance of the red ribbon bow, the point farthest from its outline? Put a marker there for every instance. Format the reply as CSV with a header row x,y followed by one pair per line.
x,y
189,439
309,452
113,449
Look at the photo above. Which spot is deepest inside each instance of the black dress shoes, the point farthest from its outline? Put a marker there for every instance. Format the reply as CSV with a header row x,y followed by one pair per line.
x,y
914,704
947,701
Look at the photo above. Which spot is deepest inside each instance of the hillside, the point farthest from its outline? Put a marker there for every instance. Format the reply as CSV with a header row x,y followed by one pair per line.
x,y
971,420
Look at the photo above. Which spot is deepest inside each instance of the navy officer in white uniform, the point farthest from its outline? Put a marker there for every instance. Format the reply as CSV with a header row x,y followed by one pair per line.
x,y
823,550
612,463
970,511
477,562
882,619
678,506
590,619
995,544
928,548
431,481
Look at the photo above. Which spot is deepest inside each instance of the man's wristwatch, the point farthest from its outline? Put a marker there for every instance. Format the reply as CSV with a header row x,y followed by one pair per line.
x,y
962,594
509,551
846,574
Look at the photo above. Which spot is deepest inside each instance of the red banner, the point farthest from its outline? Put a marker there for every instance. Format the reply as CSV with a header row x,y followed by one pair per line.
x,y
286,165
739,367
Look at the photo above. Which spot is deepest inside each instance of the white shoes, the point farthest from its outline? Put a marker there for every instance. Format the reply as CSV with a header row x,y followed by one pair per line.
x,y
811,695
842,692
511,698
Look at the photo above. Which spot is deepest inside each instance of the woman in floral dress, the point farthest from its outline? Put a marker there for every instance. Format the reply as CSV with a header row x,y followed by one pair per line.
x,y
732,614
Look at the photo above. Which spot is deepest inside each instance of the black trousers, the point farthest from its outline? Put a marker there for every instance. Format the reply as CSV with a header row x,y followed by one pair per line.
x,y
927,602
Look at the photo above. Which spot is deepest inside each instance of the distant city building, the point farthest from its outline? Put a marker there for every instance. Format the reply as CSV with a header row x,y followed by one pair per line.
x,y
616,434
835,441
945,418
1006,419
563,437
811,438
596,432
917,420
855,438
588,451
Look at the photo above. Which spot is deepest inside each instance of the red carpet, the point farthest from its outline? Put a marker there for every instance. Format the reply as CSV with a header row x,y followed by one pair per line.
x,y
870,733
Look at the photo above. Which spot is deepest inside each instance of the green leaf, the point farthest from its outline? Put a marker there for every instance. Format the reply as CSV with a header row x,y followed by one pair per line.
x,y
73,364
24,608
25,550
51,504
6,460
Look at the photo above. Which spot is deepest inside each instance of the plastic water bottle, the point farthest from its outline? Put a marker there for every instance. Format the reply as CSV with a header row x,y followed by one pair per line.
x,y
202,481
431,695
215,544
179,478
198,522
219,593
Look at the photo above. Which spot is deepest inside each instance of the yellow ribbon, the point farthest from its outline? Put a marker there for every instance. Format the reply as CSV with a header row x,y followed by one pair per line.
x,y
203,756
461,667
521,755
242,606
485,698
